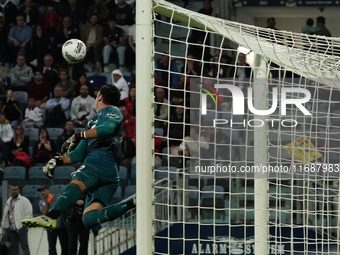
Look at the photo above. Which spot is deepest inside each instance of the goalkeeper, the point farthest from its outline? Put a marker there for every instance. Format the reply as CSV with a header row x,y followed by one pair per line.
x,y
98,175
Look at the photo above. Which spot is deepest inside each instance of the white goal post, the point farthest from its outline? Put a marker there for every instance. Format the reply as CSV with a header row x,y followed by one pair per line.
x,y
182,209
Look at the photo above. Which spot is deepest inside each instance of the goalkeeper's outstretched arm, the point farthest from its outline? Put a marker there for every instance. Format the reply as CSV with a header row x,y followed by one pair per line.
x,y
102,130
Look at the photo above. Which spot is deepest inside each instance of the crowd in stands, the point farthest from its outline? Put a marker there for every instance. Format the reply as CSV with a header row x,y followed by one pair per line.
x,y
39,90
58,94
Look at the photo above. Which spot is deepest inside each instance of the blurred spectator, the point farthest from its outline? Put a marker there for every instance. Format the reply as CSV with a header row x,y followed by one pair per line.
x,y
19,37
99,9
192,68
40,45
92,35
63,33
20,142
119,81
308,29
6,132
21,75
6,156
76,12
271,23
44,149
158,149
12,109
45,204
207,8
2,93
130,59
66,84
113,38
242,70
30,13
130,102
17,208
82,107
51,21
192,144
176,129
315,140
68,132
3,70
4,30
33,115
158,80
74,71
9,11
202,38
114,2
129,124
222,144
217,70
57,108
39,89
124,16
83,81
161,108
76,229
128,150
50,71
321,28
167,68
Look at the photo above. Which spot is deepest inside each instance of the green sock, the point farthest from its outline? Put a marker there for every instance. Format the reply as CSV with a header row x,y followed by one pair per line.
x,y
65,201
111,212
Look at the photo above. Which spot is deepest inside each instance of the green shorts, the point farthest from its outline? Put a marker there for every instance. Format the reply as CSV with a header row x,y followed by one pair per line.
x,y
99,173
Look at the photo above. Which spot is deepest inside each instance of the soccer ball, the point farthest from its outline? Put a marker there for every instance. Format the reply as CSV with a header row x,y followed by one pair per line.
x,y
74,51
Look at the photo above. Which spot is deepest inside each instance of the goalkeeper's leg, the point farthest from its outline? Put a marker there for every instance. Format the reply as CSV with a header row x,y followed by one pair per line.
x,y
95,214
65,201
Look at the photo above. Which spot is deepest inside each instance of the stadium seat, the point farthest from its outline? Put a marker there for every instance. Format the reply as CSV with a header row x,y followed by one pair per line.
x,y
220,180
57,189
54,132
123,176
193,196
132,176
165,172
159,131
62,174
129,191
117,197
36,176
33,134
21,97
194,178
30,152
33,195
15,175
127,78
97,80
212,196
78,129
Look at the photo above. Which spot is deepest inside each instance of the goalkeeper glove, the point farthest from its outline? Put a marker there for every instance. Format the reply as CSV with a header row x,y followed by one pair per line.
x,y
67,147
51,165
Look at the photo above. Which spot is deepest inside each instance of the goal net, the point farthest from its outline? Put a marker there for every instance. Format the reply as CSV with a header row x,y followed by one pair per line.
x,y
247,137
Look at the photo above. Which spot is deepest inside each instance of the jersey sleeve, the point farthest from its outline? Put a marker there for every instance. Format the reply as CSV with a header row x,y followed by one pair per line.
x,y
79,153
112,117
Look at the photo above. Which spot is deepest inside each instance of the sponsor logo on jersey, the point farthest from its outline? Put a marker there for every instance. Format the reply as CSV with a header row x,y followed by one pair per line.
x,y
112,115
